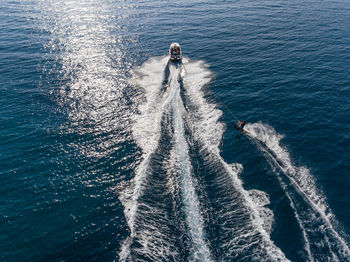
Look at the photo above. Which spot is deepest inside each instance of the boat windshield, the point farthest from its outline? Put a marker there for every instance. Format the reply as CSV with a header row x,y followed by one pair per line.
x,y
175,50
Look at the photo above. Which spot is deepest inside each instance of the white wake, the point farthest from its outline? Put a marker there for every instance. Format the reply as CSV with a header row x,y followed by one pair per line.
x,y
147,131
209,130
303,182
194,220
204,123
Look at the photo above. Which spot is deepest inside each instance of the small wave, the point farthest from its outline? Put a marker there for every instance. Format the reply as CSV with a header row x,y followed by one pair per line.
x,y
261,201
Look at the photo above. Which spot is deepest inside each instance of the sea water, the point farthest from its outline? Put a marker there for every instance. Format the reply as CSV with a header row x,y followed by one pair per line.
x,y
109,152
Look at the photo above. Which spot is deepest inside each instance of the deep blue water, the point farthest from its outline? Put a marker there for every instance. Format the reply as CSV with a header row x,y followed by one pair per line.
x,y
108,153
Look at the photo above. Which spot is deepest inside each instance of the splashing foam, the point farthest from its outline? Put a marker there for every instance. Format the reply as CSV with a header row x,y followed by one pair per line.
x,y
150,78
190,199
206,118
261,201
302,181
146,128
301,175
209,130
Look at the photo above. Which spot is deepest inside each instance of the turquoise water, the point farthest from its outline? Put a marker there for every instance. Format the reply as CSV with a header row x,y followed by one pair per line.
x,y
110,153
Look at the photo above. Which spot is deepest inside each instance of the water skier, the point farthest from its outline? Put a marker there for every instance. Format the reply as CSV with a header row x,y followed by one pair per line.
x,y
240,125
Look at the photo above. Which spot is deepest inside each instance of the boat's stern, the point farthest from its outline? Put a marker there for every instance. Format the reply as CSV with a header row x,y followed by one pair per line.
x,y
175,52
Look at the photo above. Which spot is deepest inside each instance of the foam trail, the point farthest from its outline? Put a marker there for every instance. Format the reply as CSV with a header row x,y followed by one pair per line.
x,y
161,102
261,200
303,183
148,77
190,199
258,223
208,130
303,230
283,185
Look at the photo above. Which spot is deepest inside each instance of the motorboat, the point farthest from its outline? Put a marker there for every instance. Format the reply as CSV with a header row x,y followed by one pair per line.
x,y
175,52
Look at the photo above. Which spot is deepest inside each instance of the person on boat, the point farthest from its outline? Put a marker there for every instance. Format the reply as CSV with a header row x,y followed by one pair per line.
x,y
241,125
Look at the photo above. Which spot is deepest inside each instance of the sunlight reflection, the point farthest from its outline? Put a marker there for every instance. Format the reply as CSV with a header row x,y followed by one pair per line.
x,y
88,40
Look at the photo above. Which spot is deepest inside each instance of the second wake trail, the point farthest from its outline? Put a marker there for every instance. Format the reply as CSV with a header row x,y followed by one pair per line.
x,y
323,238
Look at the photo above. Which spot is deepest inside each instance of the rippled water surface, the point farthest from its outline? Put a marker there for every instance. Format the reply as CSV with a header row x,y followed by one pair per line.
x,y
109,152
